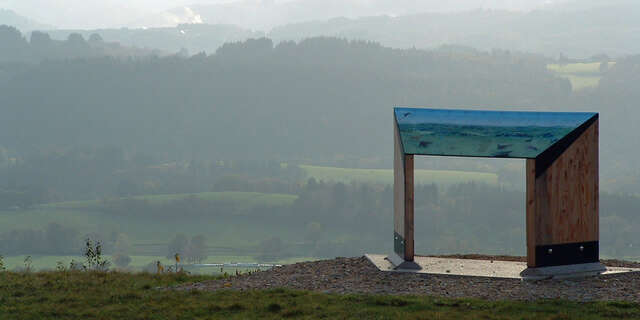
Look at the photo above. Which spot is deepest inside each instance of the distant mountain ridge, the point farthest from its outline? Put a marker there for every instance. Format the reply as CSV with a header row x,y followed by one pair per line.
x,y
264,15
565,29
10,18
194,38
612,29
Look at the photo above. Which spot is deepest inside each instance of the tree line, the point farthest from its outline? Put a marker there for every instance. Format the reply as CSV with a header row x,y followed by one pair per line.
x,y
336,219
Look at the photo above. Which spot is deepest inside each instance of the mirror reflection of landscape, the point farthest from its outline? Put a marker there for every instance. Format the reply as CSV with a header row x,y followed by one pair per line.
x,y
497,134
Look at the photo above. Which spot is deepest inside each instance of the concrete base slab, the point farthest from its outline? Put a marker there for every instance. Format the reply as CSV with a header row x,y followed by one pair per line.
x,y
567,271
486,268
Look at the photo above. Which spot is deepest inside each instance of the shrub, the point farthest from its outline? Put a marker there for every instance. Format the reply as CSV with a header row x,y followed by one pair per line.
x,y
93,254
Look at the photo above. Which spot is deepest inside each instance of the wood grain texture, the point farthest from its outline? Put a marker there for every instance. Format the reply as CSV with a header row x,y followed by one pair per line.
x,y
563,202
531,211
408,208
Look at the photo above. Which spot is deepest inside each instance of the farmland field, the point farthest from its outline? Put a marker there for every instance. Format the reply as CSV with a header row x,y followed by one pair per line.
x,y
579,82
218,231
233,223
577,68
227,235
385,176
245,199
581,75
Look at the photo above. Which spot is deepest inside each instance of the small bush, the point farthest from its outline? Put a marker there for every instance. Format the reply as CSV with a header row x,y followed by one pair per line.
x,y
27,264
60,267
93,254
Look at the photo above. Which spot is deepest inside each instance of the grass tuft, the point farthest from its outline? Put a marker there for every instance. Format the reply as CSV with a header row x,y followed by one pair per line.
x,y
391,302
236,307
274,307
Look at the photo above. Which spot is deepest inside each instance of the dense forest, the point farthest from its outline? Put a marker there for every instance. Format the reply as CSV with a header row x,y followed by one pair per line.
x,y
316,91
122,130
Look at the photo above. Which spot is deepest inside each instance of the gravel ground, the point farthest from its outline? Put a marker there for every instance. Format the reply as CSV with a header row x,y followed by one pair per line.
x,y
358,275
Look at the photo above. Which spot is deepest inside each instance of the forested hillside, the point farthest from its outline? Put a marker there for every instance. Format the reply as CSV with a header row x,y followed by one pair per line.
x,y
320,97
315,99
165,138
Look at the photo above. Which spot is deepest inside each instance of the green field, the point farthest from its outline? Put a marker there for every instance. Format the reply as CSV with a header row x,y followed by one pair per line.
x,y
581,75
234,233
579,82
577,68
222,231
385,176
113,295
138,263
244,200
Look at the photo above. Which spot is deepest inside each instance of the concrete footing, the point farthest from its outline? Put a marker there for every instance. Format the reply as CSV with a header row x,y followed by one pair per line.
x,y
566,271
401,264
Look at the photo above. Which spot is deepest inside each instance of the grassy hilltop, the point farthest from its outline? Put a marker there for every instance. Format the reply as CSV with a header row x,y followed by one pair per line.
x,y
113,295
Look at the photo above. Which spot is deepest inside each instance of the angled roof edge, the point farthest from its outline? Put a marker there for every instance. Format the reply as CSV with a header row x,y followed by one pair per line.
x,y
397,130
548,156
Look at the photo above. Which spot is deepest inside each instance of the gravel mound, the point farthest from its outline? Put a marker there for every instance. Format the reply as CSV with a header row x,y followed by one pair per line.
x,y
358,275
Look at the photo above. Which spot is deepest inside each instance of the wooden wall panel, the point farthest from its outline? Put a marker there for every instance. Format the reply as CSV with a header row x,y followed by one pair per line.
x,y
531,211
563,202
408,209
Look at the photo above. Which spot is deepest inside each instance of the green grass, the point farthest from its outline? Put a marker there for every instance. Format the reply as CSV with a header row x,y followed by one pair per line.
x,y
581,82
88,295
40,263
577,68
246,200
385,176
219,231
239,233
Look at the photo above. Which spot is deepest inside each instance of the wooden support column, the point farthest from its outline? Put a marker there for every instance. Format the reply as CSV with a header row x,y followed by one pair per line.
x,y
563,202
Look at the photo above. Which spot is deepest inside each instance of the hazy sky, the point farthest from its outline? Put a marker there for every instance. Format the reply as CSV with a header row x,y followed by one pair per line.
x,y
252,13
